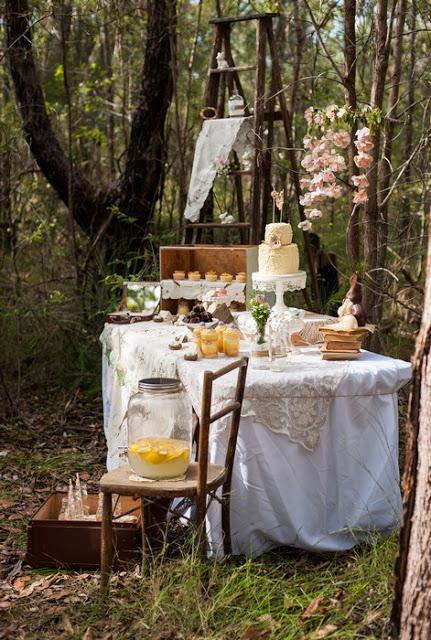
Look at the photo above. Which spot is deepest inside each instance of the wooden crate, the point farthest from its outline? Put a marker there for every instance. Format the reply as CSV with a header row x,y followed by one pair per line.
x,y
75,544
207,257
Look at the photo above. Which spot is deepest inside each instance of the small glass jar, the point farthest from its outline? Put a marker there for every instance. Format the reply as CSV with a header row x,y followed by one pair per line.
x,y
197,336
236,105
231,341
209,343
159,422
220,329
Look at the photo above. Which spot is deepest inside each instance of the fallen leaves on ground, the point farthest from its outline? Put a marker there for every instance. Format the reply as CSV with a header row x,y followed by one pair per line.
x,y
325,631
312,608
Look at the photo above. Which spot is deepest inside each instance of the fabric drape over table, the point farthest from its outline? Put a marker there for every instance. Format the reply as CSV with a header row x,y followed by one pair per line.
x,y
317,457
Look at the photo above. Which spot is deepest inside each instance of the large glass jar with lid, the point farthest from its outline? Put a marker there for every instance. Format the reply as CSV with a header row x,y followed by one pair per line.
x,y
159,423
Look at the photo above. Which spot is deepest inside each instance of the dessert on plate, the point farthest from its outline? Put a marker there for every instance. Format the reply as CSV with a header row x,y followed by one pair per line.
x,y
211,276
226,277
194,275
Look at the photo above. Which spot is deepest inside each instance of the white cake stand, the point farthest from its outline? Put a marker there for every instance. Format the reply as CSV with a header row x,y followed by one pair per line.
x,y
279,284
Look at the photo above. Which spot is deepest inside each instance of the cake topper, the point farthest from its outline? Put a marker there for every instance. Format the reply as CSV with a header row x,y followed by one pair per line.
x,y
354,294
278,201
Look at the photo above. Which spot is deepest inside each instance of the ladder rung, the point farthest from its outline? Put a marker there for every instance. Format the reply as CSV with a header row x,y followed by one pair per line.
x,y
251,16
250,67
277,115
218,225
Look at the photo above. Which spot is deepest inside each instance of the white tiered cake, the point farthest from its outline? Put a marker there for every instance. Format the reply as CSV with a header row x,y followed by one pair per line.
x,y
277,254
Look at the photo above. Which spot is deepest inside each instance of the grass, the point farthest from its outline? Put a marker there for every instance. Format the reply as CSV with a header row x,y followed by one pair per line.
x,y
287,594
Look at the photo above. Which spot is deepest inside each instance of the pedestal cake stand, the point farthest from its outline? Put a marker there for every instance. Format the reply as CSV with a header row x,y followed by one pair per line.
x,y
279,284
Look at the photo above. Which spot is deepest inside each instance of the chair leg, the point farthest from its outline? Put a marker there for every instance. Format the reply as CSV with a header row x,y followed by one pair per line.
x,y
144,530
225,523
201,519
106,545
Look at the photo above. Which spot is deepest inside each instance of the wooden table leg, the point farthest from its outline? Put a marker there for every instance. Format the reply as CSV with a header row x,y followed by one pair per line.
x,y
106,542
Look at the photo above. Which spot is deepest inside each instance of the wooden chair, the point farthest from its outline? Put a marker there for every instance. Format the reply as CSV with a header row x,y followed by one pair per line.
x,y
202,479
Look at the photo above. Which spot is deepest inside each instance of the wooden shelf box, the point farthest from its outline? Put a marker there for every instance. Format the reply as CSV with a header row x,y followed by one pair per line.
x,y
207,257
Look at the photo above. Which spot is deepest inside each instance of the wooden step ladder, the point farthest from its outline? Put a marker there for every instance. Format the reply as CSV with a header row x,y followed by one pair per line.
x,y
264,116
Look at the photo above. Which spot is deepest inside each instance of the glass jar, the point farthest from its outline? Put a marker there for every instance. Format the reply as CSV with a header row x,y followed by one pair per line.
x,y
209,343
231,341
197,336
220,329
159,422
236,105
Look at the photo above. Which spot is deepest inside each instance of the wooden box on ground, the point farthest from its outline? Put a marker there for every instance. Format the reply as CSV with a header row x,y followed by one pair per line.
x,y
75,544
207,257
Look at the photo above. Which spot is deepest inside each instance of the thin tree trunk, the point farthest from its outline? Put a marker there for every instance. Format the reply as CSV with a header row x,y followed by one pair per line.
x,y
389,130
353,228
411,612
371,249
405,225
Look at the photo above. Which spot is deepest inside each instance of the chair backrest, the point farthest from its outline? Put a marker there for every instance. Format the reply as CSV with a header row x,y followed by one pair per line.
x,y
207,418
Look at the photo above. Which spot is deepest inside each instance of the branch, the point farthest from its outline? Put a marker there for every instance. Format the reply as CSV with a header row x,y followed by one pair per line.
x,y
40,135
324,47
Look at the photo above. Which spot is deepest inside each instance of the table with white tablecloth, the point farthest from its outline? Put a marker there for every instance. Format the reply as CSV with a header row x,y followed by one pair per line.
x,y
316,465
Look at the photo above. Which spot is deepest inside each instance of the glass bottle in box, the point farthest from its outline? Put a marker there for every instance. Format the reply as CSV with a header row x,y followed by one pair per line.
x,y
159,422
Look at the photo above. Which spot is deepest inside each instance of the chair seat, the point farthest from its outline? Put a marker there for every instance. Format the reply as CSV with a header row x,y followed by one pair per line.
x,y
118,481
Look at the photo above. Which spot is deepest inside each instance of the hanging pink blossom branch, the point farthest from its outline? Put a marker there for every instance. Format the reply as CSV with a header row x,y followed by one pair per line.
x,y
325,143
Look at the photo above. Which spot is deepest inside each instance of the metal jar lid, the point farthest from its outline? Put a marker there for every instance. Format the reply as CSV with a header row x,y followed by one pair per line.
x,y
159,384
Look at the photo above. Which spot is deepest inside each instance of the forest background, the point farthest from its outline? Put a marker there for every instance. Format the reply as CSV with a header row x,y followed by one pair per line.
x,y
119,78
99,115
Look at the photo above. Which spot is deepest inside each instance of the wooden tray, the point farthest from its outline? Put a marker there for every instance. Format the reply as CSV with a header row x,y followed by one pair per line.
x,y
75,544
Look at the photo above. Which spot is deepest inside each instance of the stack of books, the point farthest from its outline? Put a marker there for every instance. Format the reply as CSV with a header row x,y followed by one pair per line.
x,y
342,345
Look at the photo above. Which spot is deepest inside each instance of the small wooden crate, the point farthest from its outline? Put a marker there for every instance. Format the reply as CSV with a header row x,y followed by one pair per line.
x,y
75,544
207,257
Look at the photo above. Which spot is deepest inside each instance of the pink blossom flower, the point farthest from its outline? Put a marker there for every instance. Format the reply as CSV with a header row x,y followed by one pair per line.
x,y
308,114
307,162
305,183
306,200
333,191
360,181
327,176
341,112
363,160
341,139
337,163
331,112
305,225
362,133
260,298
317,181
313,213
318,118
360,197
364,145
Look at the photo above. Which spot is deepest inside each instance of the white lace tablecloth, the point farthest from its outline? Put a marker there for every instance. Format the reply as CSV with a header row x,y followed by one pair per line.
x,y
190,290
317,456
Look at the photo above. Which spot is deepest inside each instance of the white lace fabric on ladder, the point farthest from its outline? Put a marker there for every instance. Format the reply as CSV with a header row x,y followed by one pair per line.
x,y
215,142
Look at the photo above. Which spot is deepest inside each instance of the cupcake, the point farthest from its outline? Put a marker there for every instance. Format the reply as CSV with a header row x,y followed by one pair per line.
x,y
179,275
194,275
211,276
226,277
241,277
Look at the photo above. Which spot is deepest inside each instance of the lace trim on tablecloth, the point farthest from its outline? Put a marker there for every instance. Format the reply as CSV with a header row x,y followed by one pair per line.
x,y
298,406
176,289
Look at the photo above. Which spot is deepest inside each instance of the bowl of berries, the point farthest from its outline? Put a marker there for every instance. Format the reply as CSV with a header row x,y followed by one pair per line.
x,y
199,316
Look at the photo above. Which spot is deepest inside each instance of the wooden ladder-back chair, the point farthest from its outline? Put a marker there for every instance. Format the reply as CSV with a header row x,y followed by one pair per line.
x,y
202,478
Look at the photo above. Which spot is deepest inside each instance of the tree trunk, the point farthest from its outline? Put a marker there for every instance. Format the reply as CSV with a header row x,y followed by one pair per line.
x,y
136,191
411,612
353,228
389,130
372,211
